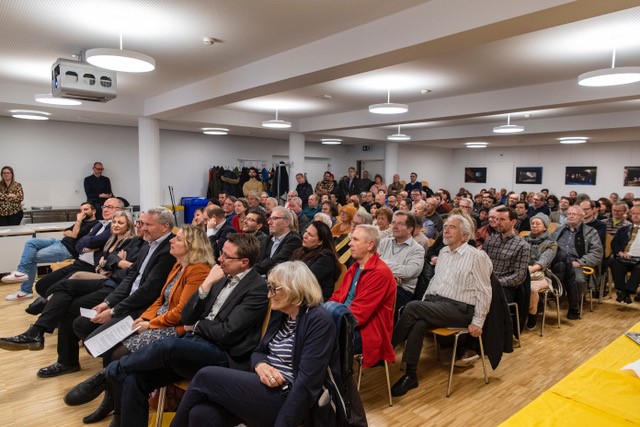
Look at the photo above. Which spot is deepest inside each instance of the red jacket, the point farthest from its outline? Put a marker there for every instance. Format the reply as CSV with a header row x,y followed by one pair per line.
x,y
372,308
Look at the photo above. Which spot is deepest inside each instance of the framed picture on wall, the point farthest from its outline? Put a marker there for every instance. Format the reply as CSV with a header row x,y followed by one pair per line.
x,y
475,175
580,175
528,175
631,176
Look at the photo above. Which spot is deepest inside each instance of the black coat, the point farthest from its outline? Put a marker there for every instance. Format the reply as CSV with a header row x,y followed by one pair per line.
x,y
283,252
237,327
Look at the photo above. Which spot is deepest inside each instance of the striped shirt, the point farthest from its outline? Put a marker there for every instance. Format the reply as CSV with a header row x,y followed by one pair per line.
x,y
281,349
464,275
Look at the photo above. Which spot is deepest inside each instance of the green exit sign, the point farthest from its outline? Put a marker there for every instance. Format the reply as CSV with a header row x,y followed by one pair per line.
x,y
366,148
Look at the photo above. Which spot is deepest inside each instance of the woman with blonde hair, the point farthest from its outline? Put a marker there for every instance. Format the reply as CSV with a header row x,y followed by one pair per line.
x,y
194,258
289,366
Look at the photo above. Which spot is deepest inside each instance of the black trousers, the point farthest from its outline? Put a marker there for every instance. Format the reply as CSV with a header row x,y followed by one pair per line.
x,y
619,273
14,219
420,316
43,285
63,309
226,397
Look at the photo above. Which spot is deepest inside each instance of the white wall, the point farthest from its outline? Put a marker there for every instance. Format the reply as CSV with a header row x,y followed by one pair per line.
x,y
51,159
609,158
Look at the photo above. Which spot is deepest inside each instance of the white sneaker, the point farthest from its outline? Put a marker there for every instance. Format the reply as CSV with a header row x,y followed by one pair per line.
x,y
15,276
18,295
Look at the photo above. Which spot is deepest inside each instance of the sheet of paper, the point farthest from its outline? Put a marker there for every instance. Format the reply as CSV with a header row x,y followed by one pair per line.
x,y
110,337
88,313
634,366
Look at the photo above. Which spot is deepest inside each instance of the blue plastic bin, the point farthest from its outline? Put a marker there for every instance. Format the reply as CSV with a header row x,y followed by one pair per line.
x,y
190,205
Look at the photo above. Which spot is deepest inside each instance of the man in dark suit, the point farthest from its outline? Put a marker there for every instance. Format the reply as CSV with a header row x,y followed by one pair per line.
x,y
218,228
222,320
281,242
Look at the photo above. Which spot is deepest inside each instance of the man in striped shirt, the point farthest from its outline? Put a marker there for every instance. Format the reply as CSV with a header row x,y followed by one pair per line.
x,y
459,295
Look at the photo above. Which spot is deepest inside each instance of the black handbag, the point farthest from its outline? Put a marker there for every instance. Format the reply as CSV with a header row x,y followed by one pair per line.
x,y
629,262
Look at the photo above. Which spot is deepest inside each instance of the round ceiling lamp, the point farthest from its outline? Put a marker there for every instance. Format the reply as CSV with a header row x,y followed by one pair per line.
x,y
30,115
573,140
610,76
477,144
215,131
47,98
331,141
276,124
398,136
508,128
127,61
388,107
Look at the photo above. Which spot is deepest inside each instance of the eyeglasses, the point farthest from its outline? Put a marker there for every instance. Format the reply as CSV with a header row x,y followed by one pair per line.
x,y
227,256
139,223
273,218
110,207
247,219
399,223
273,289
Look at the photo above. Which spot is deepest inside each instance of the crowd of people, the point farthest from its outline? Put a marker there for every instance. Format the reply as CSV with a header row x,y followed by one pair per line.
x,y
401,259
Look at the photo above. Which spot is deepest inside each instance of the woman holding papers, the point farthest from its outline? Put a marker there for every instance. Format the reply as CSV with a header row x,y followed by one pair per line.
x,y
162,319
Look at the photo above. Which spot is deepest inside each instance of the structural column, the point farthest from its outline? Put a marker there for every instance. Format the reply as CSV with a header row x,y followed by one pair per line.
x,y
296,157
390,160
149,162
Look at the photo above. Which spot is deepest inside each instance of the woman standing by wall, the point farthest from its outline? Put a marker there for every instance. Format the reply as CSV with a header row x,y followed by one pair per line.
x,y
11,197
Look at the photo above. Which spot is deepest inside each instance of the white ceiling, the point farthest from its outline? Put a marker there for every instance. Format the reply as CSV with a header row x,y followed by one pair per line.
x,y
322,62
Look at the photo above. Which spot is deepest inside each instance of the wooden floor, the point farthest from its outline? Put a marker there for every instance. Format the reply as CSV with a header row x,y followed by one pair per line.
x,y
26,400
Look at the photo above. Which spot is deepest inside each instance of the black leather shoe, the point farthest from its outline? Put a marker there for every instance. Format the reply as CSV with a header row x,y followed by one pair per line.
x,y
620,296
29,340
87,390
57,369
403,385
573,314
627,299
103,411
37,306
532,319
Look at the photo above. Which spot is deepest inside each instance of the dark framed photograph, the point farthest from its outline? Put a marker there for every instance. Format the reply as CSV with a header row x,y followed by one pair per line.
x,y
528,175
475,175
631,176
580,175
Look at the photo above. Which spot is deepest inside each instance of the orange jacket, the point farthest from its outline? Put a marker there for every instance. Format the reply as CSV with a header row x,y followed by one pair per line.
x,y
188,283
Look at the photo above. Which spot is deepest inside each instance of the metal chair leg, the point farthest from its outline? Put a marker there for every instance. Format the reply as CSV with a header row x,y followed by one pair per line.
x,y
513,304
484,366
386,371
359,359
160,412
544,311
453,362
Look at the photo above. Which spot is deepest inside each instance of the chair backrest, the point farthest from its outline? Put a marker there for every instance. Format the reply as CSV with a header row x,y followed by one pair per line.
x,y
607,245
552,227
343,271
342,243
345,257
265,322
524,233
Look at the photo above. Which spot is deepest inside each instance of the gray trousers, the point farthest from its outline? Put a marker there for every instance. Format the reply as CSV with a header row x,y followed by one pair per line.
x,y
419,317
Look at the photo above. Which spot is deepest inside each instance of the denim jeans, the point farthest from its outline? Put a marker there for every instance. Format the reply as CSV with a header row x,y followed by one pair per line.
x,y
39,250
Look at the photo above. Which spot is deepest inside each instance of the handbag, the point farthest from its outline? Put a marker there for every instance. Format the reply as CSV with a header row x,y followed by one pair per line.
x,y
629,262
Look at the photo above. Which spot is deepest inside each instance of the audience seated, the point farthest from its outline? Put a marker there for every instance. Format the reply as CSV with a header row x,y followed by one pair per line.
x,y
281,241
560,215
288,368
578,246
218,228
161,320
383,219
295,206
403,255
625,248
522,218
459,295
538,205
66,297
253,223
318,252
49,250
344,226
509,254
542,252
368,290
222,323
88,247
618,217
